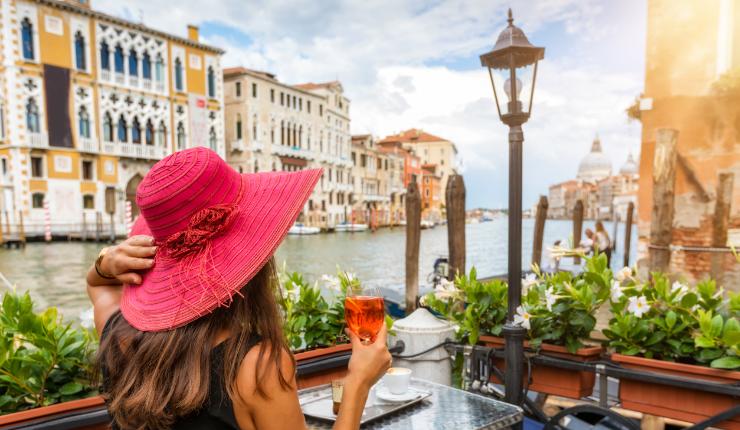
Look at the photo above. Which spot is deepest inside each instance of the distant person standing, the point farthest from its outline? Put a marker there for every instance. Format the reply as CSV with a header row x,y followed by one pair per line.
x,y
603,243
588,243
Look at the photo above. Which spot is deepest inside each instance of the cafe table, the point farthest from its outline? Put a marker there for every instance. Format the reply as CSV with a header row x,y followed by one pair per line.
x,y
446,408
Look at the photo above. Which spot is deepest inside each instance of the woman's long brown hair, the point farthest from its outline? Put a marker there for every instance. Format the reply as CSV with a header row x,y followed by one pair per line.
x,y
154,378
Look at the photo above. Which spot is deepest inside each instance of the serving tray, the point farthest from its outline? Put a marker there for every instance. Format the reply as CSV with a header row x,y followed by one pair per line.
x,y
316,402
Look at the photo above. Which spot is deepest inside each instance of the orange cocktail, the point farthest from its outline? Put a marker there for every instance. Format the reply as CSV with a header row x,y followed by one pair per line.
x,y
365,315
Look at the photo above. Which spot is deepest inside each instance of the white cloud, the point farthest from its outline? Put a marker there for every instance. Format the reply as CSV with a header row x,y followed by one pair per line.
x,y
400,63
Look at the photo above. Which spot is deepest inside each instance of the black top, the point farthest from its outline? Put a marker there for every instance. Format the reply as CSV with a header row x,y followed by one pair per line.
x,y
217,412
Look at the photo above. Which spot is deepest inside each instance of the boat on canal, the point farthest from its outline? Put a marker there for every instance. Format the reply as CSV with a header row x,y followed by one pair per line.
x,y
302,229
350,227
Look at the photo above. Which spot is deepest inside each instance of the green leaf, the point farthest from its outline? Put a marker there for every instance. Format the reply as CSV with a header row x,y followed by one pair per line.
x,y
670,319
717,323
731,362
70,388
689,300
704,342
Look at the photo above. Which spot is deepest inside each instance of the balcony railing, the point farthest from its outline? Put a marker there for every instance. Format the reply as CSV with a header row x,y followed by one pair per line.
x,y
134,150
160,86
87,144
120,78
37,140
105,75
345,187
146,84
237,145
291,151
133,81
256,146
376,198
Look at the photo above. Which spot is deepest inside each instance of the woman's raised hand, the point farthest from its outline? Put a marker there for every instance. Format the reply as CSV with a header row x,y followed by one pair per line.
x,y
369,362
129,257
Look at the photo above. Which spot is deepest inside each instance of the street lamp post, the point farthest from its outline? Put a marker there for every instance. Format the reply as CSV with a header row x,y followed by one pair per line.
x,y
509,65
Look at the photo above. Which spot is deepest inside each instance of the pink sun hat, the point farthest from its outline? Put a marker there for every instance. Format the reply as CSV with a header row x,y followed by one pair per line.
x,y
214,228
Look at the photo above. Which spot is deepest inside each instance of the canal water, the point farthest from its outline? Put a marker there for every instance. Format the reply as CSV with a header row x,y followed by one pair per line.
x,y
55,273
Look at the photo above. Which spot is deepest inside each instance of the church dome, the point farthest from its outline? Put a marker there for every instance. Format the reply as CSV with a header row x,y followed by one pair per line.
x,y
629,167
596,165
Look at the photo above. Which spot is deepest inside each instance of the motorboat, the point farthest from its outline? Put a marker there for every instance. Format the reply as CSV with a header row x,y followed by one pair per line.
x,y
350,227
302,229
427,224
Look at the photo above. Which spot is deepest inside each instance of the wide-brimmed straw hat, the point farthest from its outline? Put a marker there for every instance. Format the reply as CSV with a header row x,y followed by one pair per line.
x,y
214,228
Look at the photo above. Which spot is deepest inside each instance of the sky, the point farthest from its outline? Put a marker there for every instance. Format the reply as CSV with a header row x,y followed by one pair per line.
x,y
415,64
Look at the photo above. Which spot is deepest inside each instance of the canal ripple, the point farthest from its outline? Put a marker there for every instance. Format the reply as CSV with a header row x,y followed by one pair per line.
x,y
55,272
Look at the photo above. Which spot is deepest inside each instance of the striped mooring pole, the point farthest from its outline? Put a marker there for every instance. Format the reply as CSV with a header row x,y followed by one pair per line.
x,y
47,222
129,218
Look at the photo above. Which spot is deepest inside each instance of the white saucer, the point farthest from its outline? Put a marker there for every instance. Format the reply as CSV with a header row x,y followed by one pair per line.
x,y
383,393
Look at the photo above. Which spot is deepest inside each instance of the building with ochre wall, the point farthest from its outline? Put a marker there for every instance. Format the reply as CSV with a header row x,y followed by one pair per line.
x,y
89,102
692,86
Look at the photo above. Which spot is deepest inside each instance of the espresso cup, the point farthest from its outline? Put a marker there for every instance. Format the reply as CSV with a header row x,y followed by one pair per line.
x,y
397,379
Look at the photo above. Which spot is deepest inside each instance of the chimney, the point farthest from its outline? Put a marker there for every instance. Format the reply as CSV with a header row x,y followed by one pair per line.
x,y
193,33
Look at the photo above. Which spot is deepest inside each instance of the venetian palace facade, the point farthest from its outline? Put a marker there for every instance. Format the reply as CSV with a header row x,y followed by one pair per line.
x,y
88,102
273,126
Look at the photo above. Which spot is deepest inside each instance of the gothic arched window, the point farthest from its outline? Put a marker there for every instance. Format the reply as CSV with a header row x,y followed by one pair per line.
x,y
146,66
27,39
104,56
32,116
118,59
80,57
107,128
178,75
84,122
180,136
212,140
149,133
211,82
122,130
133,63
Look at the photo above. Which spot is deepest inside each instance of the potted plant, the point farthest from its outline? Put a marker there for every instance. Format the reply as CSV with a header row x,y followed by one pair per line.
x,y
45,364
558,310
665,327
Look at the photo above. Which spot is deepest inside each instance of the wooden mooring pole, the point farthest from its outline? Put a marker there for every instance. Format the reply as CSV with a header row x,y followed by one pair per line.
x,y
21,230
455,203
628,233
413,236
98,225
539,230
577,227
721,222
661,217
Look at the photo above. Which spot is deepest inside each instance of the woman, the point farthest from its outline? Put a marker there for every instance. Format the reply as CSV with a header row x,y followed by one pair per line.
x,y
191,336
603,243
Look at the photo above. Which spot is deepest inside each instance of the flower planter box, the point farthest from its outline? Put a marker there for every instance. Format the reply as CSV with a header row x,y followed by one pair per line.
x,y
574,384
89,413
322,365
675,402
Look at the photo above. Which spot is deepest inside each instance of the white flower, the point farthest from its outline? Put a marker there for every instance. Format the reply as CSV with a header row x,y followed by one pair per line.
x,y
616,291
446,289
529,280
87,319
550,298
623,274
680,287
638,306
332,282
522,317
350,276
294,293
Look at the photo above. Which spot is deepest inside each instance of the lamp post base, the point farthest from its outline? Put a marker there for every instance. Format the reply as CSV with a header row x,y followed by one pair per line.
x,y
514,337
